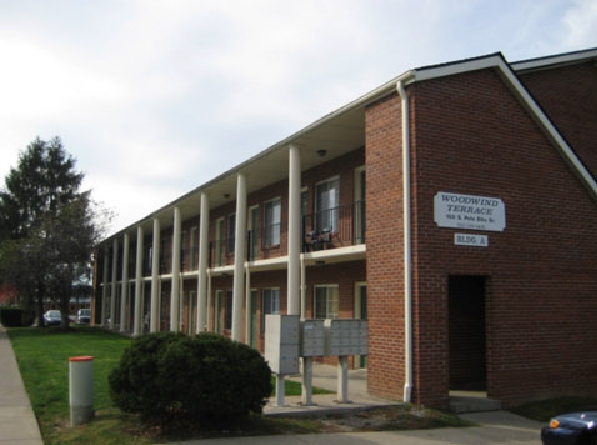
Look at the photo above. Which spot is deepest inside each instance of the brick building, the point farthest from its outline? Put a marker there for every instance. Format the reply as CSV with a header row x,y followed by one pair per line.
x,y
489,283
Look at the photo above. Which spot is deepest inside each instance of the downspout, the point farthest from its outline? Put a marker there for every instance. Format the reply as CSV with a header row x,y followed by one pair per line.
x,y
407,237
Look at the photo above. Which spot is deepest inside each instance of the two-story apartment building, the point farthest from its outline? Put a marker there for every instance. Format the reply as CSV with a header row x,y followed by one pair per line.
x,y
453,207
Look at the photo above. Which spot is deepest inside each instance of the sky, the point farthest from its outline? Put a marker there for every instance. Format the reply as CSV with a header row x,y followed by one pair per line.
x,y
156,97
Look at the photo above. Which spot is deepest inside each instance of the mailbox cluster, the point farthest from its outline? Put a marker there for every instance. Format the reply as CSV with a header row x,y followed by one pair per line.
x,y
287,338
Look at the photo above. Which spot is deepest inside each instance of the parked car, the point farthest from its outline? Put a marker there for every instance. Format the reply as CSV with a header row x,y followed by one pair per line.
x,y
53,318
571,429
83,316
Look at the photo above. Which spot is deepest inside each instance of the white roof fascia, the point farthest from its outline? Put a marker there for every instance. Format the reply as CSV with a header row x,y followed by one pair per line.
x,y
544,62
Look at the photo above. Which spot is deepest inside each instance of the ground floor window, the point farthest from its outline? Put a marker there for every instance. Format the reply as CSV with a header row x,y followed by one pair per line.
x,y
271,304
327,301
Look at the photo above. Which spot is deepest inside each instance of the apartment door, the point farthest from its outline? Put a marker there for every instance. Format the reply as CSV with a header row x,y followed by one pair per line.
x,y
253,331
466,295
361,314
218,312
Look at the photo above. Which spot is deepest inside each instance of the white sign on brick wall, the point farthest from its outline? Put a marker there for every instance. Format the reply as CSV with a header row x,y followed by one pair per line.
x,y
469,212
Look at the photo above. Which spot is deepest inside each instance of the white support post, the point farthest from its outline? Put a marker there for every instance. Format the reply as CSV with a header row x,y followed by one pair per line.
x,y
138,325
124,283
239,256
307,381
342,379
208,305
202,313
155,278
105,288
294,233
175,284
113,289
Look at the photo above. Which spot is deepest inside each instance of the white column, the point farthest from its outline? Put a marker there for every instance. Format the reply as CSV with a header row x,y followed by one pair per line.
x,y
293,291
202,314
138,327
124,283
113,289
155,278
239,256
175,287
105,288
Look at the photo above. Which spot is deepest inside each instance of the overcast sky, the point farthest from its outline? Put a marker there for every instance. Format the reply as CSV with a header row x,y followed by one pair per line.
x,y
154,98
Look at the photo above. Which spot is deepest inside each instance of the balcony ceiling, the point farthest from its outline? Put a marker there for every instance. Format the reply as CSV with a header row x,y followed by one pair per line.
x,y
337,134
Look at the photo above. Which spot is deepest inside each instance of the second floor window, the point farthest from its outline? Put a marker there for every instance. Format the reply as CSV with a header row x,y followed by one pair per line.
x,y
273,214
183,250
231,233
327,202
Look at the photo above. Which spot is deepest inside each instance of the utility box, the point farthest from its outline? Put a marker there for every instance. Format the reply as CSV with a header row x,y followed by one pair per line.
x,y
346,337
282,340
312,338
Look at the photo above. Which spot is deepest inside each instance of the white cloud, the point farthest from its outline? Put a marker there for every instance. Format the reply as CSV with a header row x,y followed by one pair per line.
x,y
581,24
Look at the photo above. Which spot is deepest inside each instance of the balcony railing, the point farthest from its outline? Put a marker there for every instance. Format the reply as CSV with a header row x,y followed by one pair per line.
x,y
328,229
334,227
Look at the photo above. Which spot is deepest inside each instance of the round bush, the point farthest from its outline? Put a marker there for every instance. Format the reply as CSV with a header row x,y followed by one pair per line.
x,y
172,378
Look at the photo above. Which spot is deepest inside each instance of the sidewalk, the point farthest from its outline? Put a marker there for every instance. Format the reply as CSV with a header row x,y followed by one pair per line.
x,y
17,421
325,377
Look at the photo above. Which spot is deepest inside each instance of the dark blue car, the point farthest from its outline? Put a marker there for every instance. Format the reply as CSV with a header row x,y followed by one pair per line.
x,y
571,429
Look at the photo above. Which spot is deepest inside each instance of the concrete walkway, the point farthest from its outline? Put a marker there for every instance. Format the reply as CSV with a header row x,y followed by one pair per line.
x,y
17,421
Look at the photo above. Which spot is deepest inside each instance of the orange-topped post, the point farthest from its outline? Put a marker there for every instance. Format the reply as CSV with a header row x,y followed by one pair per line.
x,y
81,389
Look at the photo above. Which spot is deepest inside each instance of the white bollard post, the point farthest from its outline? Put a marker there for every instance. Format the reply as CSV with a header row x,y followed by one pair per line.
x,y
307,382
81,389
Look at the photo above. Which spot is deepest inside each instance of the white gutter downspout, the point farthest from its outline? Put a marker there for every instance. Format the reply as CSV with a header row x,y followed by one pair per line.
x,y
407,237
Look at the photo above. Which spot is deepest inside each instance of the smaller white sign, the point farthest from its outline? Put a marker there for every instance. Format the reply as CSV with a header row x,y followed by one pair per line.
x,y
463,239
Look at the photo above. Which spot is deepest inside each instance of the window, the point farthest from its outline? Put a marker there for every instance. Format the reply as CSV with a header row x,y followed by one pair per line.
x,y
271,304
231,233
193,259
327,302
183,250
228,313
327,201
253,231
219,241
273,213
163,247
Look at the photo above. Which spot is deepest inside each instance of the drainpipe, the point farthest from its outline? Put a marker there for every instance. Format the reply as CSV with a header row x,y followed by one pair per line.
x,y
407,237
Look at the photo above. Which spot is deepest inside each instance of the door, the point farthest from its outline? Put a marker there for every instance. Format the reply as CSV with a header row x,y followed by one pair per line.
x,y
361,314
253,331
466,294
218,312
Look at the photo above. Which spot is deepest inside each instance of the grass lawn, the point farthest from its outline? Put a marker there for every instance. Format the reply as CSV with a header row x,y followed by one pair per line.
x,y
43,358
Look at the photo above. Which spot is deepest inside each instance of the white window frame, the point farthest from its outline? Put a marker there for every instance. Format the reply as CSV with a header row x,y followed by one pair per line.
x,y
273,222
329,220
273,309
331,293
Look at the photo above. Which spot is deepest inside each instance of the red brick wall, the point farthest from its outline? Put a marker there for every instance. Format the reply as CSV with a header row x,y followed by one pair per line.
x,y
385,253
569,97
473,137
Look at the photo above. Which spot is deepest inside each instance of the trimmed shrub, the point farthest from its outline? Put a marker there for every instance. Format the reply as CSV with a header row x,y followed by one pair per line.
x,y
16,317
173,379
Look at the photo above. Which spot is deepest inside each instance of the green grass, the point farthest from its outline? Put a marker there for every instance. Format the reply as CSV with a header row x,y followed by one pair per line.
x,y
43,358
543,410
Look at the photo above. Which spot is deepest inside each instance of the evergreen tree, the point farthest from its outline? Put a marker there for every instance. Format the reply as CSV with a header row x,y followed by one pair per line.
x,y
47,225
